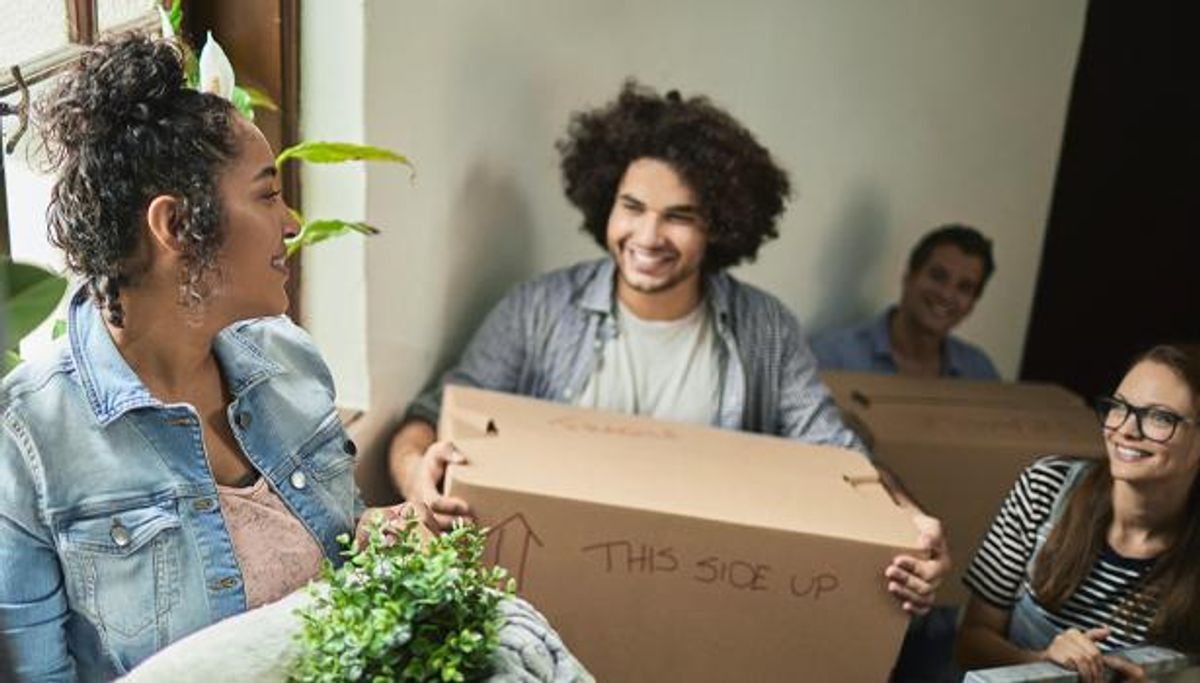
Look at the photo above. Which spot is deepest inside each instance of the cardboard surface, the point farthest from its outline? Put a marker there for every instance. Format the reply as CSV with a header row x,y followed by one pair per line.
x,y
850,388
662,551
958,445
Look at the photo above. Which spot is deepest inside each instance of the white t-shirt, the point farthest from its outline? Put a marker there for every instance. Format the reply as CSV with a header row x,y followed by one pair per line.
x,y
668,369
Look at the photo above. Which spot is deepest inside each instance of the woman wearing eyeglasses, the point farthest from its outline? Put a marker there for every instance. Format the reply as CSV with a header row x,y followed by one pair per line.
x,y
1088,557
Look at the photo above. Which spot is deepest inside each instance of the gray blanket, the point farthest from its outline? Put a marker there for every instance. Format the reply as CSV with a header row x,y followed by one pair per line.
x,y
259,645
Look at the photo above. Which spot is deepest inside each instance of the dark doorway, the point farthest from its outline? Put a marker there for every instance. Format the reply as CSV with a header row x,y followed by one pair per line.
x,y
1120,266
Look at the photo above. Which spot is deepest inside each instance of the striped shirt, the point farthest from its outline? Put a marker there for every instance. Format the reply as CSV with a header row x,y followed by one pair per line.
x,y
1001,566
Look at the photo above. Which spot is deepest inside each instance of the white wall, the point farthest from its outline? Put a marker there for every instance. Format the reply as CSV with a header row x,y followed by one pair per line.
x,y
333,300
891,117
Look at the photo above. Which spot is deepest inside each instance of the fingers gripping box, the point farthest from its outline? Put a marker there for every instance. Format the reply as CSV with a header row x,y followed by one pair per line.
x,y
958,445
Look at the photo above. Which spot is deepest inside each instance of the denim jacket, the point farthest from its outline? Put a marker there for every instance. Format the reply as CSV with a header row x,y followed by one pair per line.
x,y
112,541
545,337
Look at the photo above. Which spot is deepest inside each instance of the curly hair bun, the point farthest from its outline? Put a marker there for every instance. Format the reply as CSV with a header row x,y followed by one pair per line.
x,y
129,80
120,128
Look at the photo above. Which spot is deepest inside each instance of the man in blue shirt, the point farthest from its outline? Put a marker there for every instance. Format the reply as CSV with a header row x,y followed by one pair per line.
x,y
947,271
676,191
946,274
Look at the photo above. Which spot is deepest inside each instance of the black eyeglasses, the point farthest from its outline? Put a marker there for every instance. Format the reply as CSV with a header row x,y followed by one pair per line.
x,y
1154,424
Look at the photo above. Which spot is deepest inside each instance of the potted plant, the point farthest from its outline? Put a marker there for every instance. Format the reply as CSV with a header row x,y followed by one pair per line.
x,y
405,606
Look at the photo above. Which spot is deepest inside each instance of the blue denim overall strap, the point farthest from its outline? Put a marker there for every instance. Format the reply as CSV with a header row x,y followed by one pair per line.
x,y
1028,627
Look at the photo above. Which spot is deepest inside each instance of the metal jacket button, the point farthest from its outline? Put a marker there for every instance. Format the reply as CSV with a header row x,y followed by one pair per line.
x,y
203,505
120,535
243,420
224,583
350,447
298,480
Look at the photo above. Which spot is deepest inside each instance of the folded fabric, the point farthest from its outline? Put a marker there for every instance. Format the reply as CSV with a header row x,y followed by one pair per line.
x,y
260,645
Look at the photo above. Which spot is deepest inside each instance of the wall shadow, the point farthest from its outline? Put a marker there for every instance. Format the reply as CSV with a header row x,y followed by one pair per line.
x,y
491,231
849,260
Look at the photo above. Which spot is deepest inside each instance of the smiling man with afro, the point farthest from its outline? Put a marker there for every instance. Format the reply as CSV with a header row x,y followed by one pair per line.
x,y
676,191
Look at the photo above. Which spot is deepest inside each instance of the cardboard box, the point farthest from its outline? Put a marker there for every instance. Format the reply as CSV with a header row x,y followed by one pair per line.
x,y
852,389
959,445
662,551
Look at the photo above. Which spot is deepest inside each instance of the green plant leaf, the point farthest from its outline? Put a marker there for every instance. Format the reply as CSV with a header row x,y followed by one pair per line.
x,y
176,16
32,295
243,102
11,360
59,329
259,99
339,152
191,67
321,230
403,609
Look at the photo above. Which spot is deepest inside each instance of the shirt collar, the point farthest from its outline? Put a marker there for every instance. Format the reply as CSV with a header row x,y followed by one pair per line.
x,y
880,335
243,362
881,345
599,293
111,386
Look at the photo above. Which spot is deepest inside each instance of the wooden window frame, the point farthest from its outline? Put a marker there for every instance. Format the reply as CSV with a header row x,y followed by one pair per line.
x,y
82,30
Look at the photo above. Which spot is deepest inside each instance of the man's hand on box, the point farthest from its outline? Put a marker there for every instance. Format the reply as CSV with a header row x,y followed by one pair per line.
x,y
425,478
914,581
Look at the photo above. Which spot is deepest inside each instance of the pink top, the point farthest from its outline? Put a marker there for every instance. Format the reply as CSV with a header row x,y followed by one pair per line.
x,y
277,553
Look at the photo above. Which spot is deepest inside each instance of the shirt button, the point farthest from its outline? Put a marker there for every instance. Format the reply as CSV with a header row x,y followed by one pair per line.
x,y
299,481
350,447
203,505
120,535
243,419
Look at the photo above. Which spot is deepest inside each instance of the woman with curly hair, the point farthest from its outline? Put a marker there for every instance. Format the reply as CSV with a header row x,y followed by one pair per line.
x,y
178,459
676,191
1086,557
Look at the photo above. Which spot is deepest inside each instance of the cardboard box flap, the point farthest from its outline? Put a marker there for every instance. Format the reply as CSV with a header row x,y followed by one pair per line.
x,y
691,471
855,390
1044,431
466,424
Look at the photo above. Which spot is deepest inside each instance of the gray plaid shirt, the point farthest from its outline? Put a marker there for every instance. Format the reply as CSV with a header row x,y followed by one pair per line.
x,y
545,337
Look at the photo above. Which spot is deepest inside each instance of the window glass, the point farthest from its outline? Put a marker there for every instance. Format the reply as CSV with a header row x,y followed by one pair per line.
x,y
112,13
31,28
27,189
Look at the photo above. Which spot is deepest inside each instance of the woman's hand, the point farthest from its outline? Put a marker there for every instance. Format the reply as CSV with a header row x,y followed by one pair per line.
x,y
394,519
1129,672
1077,650
914,581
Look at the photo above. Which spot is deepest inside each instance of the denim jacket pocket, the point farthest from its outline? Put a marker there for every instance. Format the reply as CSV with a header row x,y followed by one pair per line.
x,y
327,458
326,454
123,566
